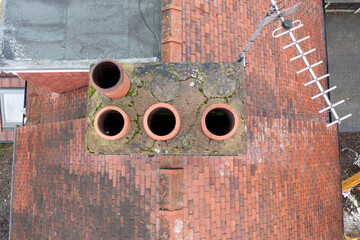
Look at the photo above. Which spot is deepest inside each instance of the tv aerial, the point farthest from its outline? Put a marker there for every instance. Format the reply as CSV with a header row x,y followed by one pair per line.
x,y
289,26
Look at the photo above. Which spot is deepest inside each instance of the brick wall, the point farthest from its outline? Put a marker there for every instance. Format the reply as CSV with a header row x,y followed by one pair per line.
x,y
58,82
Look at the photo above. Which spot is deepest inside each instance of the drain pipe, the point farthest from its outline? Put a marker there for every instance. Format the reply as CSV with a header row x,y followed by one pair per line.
x,y
109,78
326,57
12,183
24,108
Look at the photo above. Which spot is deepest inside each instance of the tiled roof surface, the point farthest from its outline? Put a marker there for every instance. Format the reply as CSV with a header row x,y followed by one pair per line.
x,y
44,106
11,82
287,186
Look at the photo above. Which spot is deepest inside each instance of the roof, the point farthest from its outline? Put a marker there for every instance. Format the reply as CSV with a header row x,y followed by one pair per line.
x,y
72,34
287,185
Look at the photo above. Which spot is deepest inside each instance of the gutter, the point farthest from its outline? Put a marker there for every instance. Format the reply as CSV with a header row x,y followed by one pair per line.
x,y
343,11
12,183
338,134
24,107
326,57
33,66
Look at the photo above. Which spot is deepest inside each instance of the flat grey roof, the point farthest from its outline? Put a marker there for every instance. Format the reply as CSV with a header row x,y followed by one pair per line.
x,y
343,43
343,1
70,34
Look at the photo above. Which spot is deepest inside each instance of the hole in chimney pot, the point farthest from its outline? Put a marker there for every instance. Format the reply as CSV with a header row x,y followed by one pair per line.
x,y
109,77
219,121
161,122
111,123
106,75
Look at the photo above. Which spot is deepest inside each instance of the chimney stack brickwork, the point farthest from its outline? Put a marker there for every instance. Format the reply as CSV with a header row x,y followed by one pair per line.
x,y
171,30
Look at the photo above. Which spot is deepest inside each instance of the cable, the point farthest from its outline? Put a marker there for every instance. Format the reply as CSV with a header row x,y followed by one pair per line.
x,y
156,39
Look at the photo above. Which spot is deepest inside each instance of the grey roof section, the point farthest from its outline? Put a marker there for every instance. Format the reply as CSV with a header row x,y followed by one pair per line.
x,y
343,42
342,1
71,33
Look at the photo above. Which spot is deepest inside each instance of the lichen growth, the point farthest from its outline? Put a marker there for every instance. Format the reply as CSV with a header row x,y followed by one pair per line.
x,y
230,96
97,108
186,140
221,66
198,74
204,103
132,103
137,130
133,90
104,142
175,74
91,91
88,148
149,150
243,119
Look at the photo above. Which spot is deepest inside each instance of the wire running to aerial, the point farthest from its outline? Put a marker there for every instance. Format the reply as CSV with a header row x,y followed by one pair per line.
x,y
147,25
